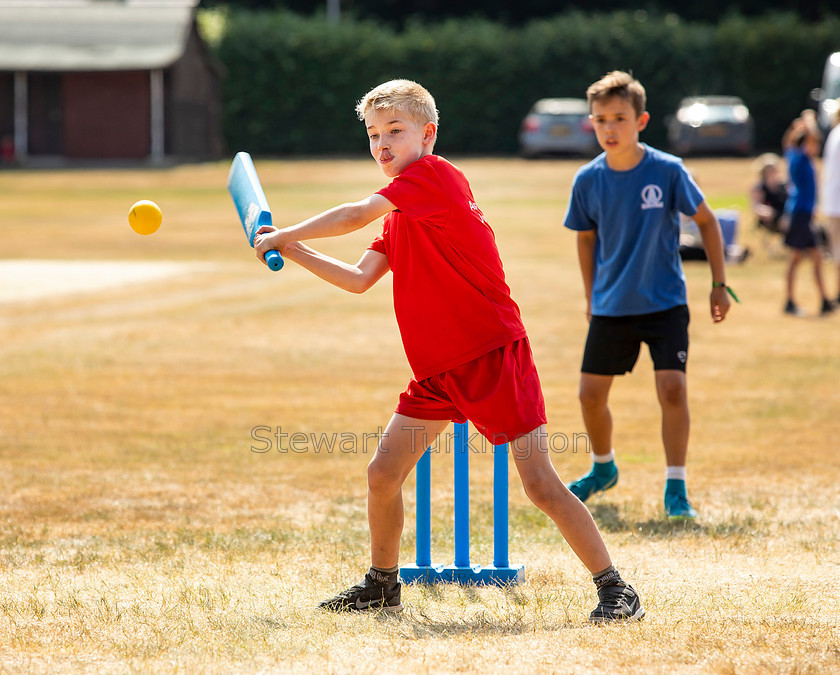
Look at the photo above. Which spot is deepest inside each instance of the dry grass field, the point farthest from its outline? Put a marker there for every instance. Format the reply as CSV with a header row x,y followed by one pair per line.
x,y
144,529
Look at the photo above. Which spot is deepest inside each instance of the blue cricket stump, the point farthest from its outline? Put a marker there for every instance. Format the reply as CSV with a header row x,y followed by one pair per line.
x,y
462,571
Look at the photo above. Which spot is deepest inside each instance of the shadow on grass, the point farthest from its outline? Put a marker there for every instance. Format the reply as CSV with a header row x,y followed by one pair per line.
x,y
487,624
268,622
517,615
611,519
417,624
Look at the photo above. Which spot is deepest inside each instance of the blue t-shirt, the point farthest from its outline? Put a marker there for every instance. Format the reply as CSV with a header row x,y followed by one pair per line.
x,y
636,215
803,197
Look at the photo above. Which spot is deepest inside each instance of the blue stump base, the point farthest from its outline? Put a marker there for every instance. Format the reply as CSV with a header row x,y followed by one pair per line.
x,y
466,575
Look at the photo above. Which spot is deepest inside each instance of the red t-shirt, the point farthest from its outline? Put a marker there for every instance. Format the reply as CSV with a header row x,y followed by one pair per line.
x,y
450,297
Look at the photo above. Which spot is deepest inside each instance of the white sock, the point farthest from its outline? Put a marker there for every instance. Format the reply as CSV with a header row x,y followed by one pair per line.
x,y
604,459
675,473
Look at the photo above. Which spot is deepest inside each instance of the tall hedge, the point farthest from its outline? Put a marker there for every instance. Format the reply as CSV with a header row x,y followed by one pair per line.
x,y
291,82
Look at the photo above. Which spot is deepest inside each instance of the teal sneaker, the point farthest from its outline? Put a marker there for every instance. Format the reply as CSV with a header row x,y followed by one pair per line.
x,y
586,486
677,506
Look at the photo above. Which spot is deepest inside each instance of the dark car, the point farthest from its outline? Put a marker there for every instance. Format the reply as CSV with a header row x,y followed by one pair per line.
x,y
711,124
558,126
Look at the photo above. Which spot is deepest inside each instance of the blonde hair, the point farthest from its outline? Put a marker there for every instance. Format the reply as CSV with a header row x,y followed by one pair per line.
x,y
403,95
621,84
765,161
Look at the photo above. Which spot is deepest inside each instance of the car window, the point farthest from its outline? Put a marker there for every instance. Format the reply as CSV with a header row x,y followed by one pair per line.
x,y
720,113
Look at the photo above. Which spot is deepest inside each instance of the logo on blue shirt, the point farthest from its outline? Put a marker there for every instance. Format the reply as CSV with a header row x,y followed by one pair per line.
x,y
652,197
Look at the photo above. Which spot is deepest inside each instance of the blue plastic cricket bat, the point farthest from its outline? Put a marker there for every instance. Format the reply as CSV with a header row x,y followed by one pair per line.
x,y
249,198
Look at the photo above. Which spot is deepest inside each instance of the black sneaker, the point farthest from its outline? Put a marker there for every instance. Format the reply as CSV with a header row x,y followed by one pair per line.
x,y
366,596
827,307
618,601
793,309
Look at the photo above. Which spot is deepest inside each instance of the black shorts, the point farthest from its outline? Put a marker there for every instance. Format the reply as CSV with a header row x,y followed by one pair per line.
x,y
613,344
800,234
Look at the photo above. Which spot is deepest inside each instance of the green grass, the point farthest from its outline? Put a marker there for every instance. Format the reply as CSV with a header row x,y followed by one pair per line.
x,y
140,533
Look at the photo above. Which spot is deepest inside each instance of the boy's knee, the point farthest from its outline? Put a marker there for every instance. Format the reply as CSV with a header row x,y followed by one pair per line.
x,y
672,391
541,490
381,479
591,398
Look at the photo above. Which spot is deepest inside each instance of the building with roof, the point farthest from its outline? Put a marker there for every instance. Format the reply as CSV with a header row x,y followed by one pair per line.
x,y
107,79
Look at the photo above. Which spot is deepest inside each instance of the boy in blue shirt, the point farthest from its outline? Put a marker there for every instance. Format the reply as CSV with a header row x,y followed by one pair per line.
x,y
625,207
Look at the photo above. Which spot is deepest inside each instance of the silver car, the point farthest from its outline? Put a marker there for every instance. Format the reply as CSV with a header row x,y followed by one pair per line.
x,y
713,124
558,126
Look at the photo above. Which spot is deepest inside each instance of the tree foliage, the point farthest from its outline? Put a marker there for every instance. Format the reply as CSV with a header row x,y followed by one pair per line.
x,y
519,11
292,81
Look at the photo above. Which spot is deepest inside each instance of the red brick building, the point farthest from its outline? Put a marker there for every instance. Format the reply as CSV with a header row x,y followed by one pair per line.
x,y
107,79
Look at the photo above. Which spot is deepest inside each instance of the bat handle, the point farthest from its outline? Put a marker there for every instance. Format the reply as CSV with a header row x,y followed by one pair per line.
x,y
274,260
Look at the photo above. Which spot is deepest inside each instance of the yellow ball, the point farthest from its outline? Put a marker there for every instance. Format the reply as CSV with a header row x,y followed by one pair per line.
x,y
145,217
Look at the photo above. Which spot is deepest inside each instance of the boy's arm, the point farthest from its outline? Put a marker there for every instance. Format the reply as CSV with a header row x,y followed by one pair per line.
x,y
809,121
759,208
806,123
353,278
712,237
787,137
332,223
586,255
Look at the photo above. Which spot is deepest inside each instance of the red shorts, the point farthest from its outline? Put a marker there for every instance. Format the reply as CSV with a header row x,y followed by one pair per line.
x,y
499,392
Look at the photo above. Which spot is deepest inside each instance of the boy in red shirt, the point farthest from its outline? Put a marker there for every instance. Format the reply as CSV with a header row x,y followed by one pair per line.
x,y
462,334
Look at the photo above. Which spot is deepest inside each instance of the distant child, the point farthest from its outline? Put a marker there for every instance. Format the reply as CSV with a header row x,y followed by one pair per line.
x,y
625,207
769,195
462,334
801,142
